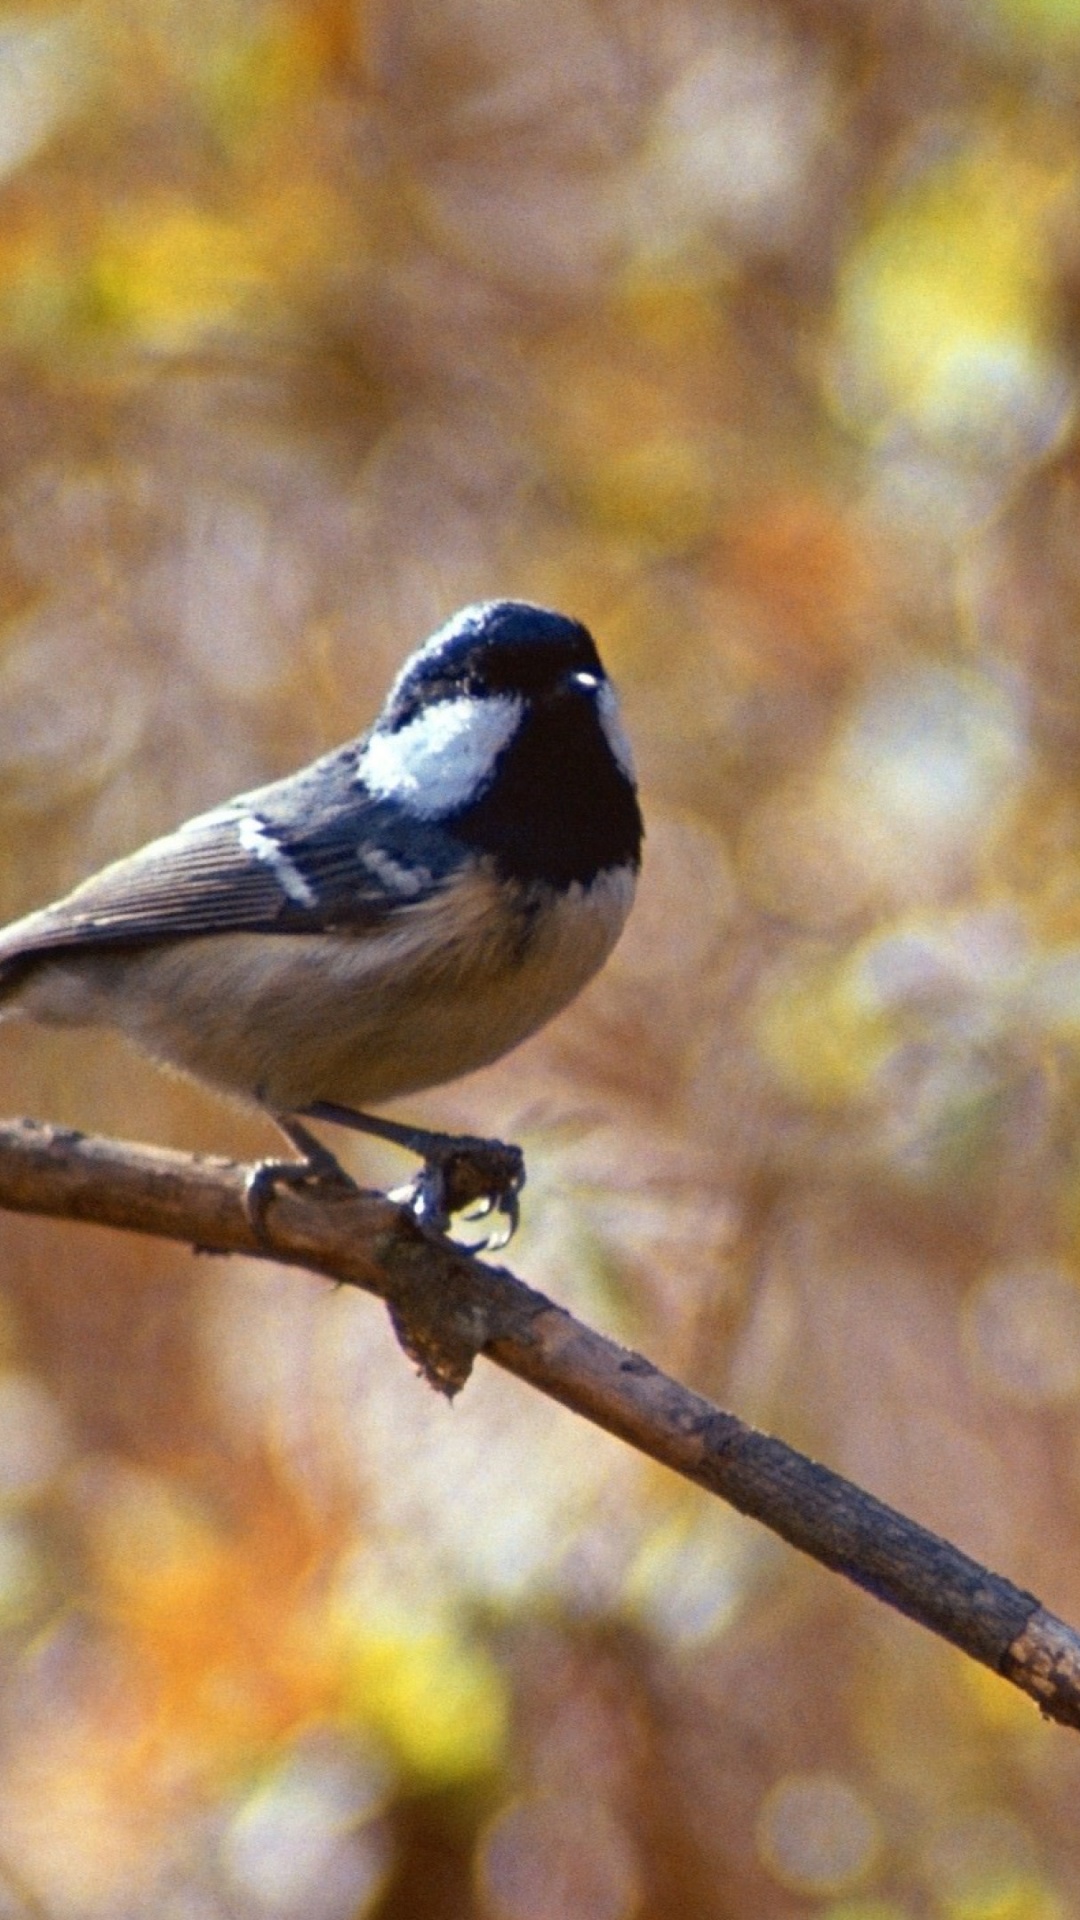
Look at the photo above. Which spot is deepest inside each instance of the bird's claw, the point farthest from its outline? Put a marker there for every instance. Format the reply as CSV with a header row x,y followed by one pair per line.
x,y
471,1176
267,1175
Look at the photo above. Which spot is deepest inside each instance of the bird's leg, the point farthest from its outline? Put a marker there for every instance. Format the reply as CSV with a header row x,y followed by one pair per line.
x,y
459,1170
316,1167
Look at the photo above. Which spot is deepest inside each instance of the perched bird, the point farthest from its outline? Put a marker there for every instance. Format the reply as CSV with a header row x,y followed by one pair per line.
x,y
407,908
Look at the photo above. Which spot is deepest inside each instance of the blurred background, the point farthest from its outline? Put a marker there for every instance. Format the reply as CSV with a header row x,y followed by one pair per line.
x,y
750,334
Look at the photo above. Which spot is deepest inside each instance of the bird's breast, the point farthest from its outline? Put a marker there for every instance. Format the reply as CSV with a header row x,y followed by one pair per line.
x,y
446,985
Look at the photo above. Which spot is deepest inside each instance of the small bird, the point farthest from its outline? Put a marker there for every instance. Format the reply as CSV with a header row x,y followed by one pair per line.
x,y
407,908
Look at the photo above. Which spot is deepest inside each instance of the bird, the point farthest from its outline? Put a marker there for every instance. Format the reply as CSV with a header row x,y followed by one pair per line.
x,y
408,908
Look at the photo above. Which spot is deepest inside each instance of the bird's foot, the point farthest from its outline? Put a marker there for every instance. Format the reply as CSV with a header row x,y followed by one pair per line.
x,y
461,1172
317,1170
465,1174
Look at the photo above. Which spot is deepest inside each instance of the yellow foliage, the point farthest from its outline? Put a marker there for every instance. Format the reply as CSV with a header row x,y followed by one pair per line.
x,y
948,303
430,1693
169,274
821,1034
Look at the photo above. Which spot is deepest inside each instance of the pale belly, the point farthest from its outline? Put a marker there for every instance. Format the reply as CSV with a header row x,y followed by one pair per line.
x,y
290,1019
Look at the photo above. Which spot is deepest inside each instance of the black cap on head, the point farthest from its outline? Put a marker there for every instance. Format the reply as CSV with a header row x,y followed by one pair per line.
x,y
496,646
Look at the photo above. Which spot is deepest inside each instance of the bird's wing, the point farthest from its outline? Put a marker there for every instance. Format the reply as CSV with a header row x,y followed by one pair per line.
x,y
310,854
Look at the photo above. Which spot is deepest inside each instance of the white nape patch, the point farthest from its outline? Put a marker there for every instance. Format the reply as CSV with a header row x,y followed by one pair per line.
x,y
444,758
607,706
394,874
256,838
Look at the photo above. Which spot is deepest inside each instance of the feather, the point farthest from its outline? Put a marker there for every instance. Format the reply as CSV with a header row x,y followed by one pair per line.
x,y
302,856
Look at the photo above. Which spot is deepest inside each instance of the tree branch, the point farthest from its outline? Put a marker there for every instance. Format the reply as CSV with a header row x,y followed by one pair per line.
x,y
447,1307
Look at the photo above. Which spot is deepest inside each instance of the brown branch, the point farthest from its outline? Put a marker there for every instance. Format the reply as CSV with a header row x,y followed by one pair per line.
x,y
447,1308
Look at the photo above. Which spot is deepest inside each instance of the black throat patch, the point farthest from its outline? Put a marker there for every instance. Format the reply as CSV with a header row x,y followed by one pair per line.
x,y
559,808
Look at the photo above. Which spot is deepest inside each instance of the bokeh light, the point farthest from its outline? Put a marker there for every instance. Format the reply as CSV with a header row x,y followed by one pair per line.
x,y
549,1857
817,1835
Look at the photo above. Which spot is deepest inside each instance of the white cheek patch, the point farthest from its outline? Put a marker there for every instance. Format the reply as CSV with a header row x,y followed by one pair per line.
x,y
255,838
607,706
443,759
